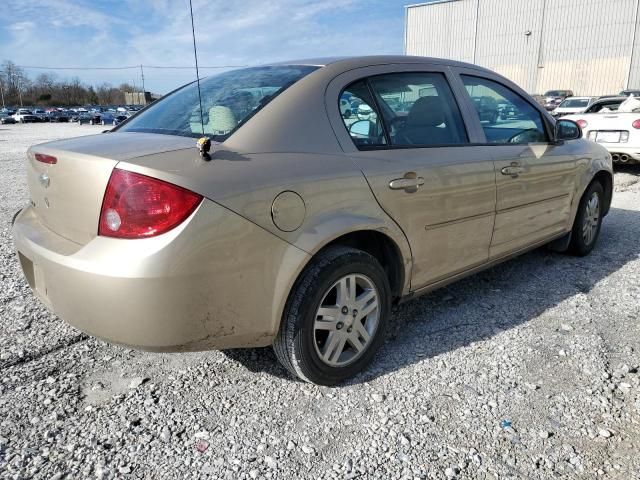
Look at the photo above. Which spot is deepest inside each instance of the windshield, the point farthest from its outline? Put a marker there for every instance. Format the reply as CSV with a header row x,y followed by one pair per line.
x,y
555,93
228,100
571,103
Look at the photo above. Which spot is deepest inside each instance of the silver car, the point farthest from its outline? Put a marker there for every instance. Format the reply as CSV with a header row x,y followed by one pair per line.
x,y
300,228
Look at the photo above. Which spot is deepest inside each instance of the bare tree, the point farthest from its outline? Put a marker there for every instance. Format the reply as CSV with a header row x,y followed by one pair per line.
x,y
48,89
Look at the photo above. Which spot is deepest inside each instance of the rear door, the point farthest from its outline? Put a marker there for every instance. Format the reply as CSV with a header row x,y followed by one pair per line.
x,y
535,176
415,151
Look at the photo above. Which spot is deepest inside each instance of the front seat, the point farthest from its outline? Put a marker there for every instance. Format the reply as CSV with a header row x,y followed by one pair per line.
x,y
425,124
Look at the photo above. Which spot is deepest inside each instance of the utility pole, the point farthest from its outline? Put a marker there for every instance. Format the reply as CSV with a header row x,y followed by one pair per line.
x,y
144,92
633,44
2,93
137,97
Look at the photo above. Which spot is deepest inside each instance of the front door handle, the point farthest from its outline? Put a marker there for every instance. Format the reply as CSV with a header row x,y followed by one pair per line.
x,y
513,170
410,183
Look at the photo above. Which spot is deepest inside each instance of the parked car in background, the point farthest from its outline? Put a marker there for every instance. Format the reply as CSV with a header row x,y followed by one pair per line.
x,y
95,118
41,115
6,119
487,108
59,117
553,98
301,234
84,118
106,118
573,105
24,116
118,119
345,108
73,115
618,132
630,93
365,112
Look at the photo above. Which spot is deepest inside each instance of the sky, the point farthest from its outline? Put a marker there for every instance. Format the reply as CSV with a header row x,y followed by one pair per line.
x,y
117,33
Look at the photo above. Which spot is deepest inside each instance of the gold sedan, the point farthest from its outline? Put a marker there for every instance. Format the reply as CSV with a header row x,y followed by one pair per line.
x,y
331,190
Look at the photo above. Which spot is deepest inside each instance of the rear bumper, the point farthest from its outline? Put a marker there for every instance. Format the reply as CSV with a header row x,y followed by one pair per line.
x,y
216,281
617,152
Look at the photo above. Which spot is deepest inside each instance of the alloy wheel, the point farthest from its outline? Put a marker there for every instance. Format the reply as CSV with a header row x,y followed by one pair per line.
x,y
591,219
346,320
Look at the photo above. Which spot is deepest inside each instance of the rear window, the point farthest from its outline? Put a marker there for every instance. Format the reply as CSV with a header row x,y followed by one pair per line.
x,y
228,101
605,107
574,103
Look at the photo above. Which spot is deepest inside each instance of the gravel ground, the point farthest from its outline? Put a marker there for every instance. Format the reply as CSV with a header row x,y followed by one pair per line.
x,y
529,370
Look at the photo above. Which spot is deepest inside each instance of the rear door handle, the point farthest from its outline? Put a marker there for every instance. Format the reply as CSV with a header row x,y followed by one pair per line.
x,y
409,184
513,170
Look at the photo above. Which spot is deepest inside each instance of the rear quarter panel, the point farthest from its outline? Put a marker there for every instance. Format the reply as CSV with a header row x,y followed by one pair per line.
x,y
337,199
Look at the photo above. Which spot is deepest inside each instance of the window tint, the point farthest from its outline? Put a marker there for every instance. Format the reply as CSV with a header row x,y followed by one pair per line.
x,y
360,116
506,117
419,109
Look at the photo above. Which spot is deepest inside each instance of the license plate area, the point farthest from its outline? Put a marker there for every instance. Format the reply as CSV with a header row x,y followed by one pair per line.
x,y
608,137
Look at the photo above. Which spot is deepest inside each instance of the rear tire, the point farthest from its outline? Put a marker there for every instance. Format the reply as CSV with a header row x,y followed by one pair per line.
x,y
325,336
586,226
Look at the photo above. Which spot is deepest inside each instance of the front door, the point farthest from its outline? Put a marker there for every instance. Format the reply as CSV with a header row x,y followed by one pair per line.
x,y
414,150
534,176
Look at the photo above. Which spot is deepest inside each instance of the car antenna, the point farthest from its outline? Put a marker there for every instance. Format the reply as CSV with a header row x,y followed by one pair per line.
x,y
204,143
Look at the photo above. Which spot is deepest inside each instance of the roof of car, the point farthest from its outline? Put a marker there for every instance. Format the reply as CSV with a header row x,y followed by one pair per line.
x,y
611,99
366,60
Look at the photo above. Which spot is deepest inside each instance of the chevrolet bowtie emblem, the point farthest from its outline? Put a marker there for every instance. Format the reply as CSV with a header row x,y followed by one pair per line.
x,y
44,180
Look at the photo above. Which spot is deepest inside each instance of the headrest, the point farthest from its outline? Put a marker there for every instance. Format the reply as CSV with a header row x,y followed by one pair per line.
x,y
427,112
221,120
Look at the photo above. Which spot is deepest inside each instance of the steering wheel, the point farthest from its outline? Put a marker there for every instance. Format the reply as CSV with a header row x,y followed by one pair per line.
x,y
530,135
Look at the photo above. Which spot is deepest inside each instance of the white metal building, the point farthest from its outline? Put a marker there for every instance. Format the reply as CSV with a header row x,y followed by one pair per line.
x,y
589,46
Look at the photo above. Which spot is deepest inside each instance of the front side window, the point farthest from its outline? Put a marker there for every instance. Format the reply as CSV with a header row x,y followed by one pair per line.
x,y
228,101
360,117
506,117
419,109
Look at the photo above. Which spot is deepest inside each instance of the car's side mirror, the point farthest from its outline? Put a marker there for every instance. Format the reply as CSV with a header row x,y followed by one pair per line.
x,y
361,128
567,130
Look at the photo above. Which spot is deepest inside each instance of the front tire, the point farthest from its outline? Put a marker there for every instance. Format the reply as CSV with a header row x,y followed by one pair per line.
x,y
586,227
335,318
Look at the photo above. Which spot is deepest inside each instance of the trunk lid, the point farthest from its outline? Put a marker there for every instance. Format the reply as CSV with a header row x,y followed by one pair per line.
x,y
67,195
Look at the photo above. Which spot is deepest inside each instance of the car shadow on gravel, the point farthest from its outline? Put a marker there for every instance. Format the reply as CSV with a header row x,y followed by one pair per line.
x,y
481,306
628,169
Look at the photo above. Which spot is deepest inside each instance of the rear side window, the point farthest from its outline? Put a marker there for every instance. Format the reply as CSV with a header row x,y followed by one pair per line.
x,y
406,110
506,117
360,116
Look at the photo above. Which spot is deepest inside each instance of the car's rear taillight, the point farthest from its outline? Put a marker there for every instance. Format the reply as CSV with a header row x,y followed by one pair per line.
x,y
636,124
582,124
41,157
137,206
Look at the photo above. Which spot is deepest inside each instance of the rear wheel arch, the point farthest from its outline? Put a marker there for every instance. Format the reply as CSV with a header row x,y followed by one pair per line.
x,y
379,245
